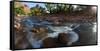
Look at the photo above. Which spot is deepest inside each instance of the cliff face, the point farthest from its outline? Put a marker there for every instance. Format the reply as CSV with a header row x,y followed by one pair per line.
x,y
18,4
24,7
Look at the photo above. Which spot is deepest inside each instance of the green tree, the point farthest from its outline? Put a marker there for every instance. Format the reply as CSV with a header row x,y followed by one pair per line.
x,y
37,10
49,7
19,10
57,8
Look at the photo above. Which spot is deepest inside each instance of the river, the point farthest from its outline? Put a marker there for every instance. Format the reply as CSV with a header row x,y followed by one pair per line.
x,y
79,33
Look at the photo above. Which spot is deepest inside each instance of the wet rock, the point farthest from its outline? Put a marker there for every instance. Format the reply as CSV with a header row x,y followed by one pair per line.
x,y
49,42
40,32
20,40
63,38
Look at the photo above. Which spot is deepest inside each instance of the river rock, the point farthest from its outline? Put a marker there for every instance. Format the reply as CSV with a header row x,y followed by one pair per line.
x,y
49,42
63,38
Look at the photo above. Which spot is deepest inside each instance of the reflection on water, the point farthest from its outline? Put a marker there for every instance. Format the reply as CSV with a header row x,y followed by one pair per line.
x,y
79,33
94,27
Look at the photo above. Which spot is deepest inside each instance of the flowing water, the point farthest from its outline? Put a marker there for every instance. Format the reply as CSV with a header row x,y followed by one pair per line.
x,y
72,29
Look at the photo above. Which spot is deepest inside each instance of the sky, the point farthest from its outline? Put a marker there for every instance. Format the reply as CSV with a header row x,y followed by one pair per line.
x,y
30,4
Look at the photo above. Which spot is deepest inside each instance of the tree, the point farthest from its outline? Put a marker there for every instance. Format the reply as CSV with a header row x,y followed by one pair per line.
x,y
49,7
37,10
19,10
57,8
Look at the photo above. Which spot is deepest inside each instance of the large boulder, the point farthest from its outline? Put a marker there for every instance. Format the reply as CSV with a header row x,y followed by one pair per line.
x,y
49,42
63,38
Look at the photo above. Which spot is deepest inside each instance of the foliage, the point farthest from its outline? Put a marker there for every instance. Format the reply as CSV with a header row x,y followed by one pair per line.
x,y
19,10
49,8
57,8
37,10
